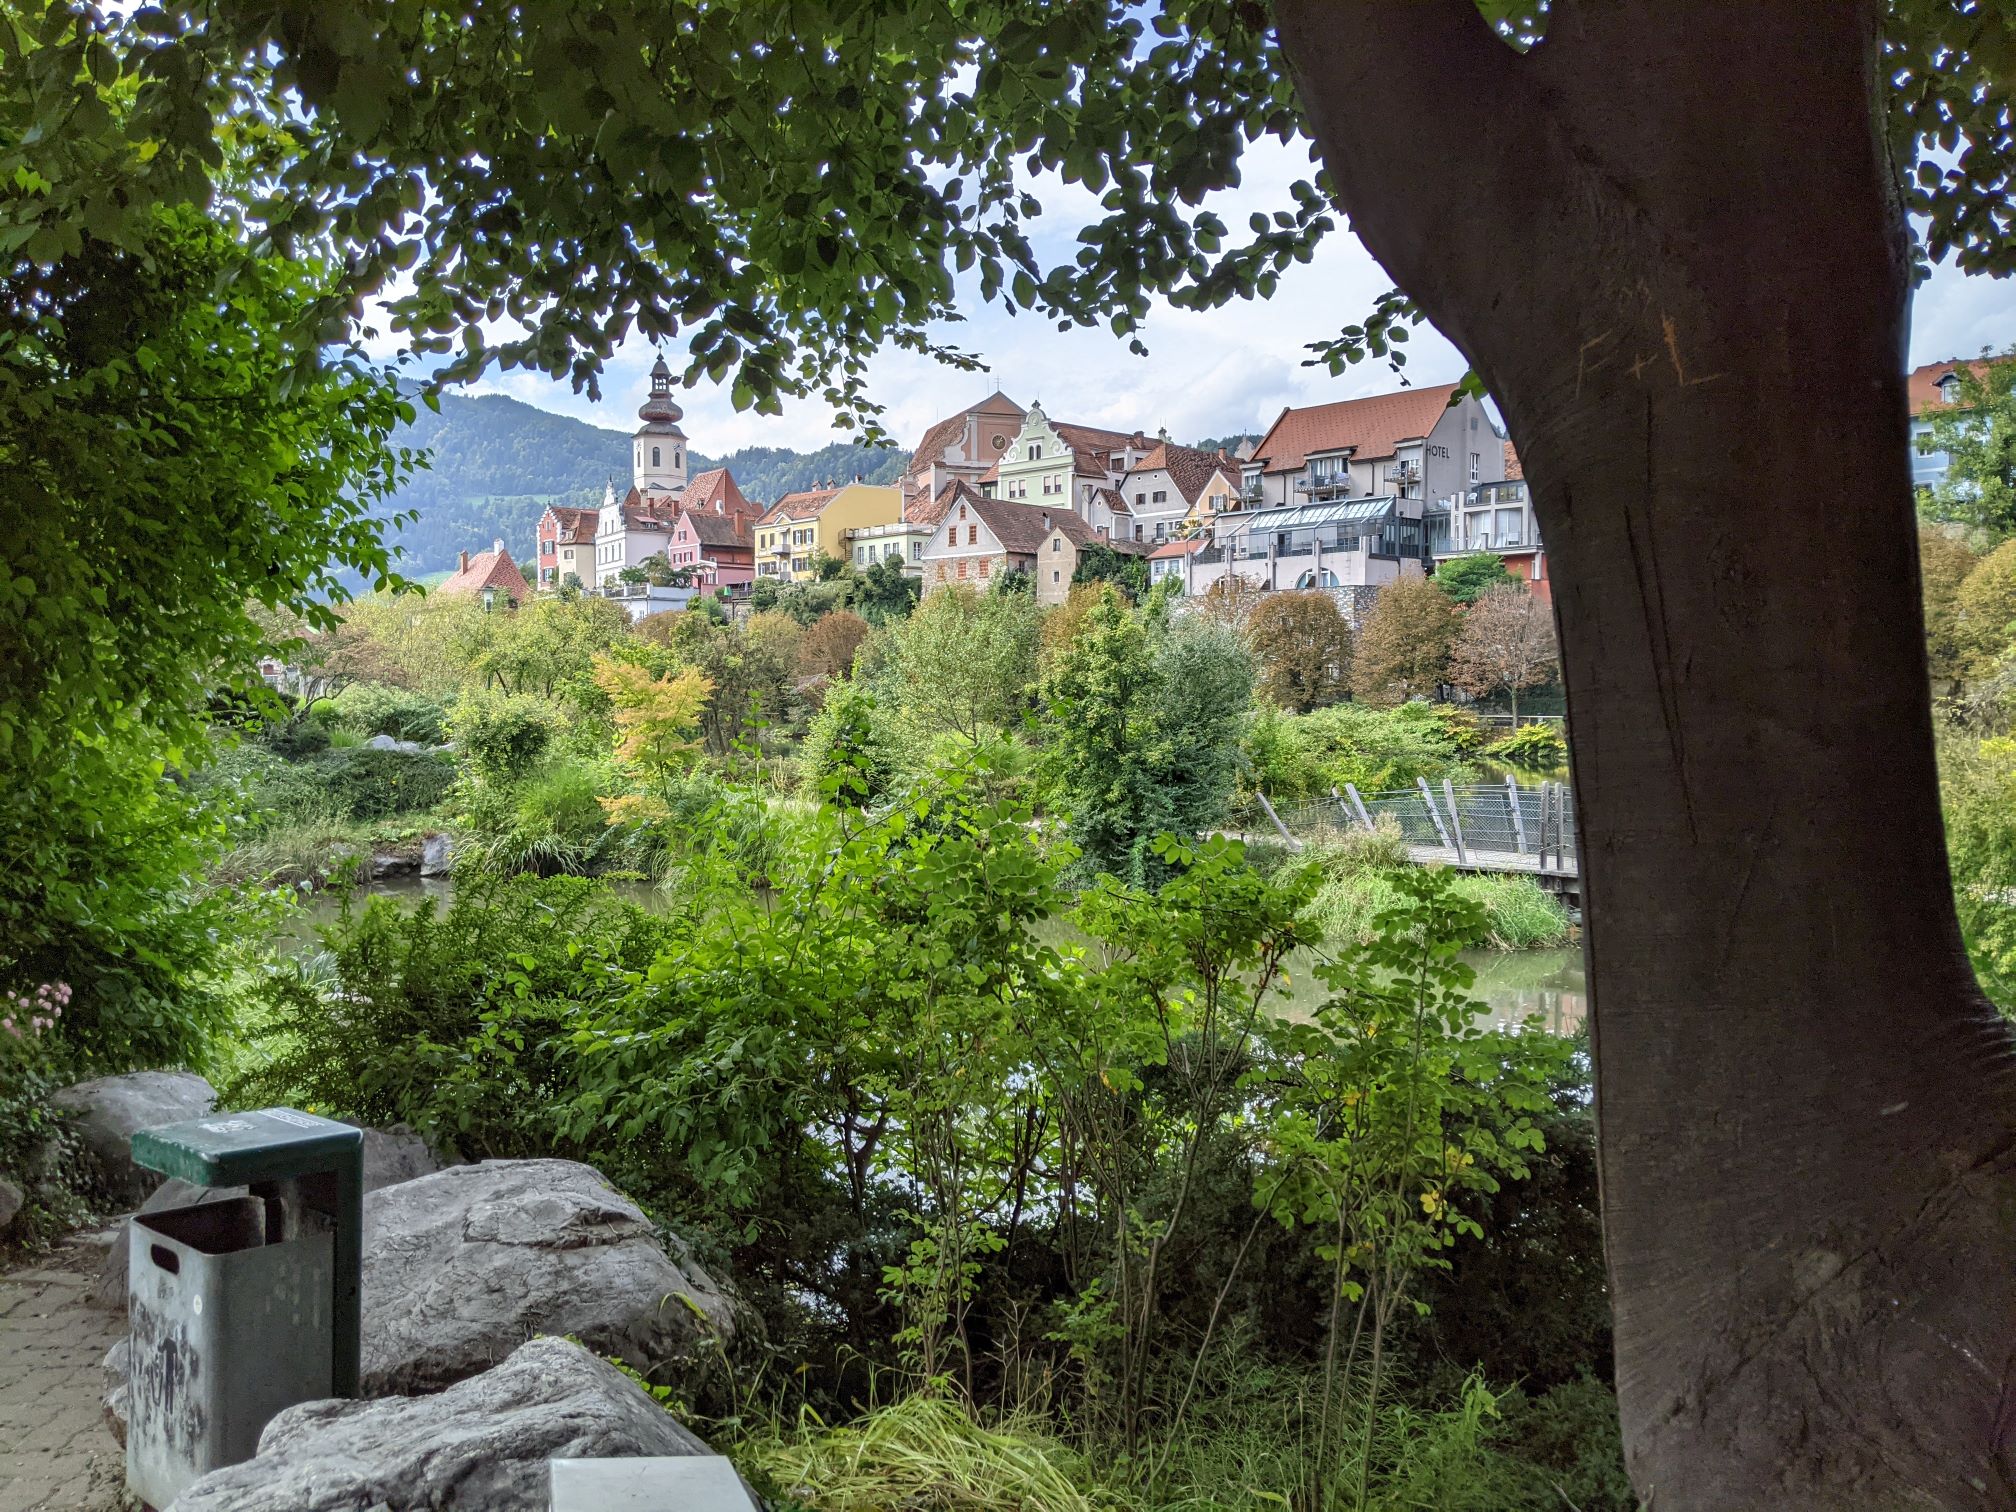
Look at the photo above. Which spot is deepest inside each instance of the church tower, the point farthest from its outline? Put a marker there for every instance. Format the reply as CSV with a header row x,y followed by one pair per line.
x,y
658,452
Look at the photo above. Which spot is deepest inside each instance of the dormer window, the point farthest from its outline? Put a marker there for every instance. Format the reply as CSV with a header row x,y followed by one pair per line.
x,y
1949,388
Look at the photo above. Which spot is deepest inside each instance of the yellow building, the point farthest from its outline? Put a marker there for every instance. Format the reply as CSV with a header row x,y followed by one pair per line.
x,y
802,527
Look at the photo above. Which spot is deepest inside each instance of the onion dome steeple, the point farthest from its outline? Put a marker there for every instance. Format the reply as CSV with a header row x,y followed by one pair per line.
x,y
658,449
660,406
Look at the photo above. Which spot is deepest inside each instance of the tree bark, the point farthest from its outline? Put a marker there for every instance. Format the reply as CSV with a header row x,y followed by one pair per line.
x,y
1670,241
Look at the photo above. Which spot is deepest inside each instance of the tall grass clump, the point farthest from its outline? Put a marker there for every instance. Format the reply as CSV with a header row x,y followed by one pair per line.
x,y
1359,870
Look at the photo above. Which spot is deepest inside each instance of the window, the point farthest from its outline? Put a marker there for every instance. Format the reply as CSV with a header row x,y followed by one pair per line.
x,y
1476,466
962,567
1141,498
985,562
952,536
1035,451
972,535
916,551
962,511
654,456
1161,496
1057,543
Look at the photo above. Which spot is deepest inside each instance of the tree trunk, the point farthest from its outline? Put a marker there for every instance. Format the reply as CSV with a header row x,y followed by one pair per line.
x,y
1669,240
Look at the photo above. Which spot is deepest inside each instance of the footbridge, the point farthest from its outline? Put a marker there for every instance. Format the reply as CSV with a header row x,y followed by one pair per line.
x,y
1475,827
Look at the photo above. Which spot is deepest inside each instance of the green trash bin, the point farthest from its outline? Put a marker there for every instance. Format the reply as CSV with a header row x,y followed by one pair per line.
x,y
242,1306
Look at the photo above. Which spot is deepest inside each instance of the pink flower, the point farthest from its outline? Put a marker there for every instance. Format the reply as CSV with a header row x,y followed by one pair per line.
x,y
8,1025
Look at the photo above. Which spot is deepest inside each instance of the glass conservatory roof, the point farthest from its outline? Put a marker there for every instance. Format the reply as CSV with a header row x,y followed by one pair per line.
x,y
1363,511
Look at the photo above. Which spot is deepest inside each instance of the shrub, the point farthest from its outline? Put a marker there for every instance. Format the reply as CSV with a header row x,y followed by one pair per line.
x,y
451,1020
1541,747
501,735
292,739
1361,874
361,783
850,743
379,709
551,822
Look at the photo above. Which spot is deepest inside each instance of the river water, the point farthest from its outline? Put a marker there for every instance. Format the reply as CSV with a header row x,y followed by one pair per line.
x,y
1514,985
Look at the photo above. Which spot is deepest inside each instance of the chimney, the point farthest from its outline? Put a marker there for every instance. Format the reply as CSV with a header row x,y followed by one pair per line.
x,y
497,546
461,561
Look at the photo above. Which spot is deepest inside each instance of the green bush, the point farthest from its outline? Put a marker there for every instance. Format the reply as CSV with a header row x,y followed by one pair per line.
x,y
292,739
1541,747
361,783
455,1020
1360,882
502,736
1300,758
850,744
549,823
377,709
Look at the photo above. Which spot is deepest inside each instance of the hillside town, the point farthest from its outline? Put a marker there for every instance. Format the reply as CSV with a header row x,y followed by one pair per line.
x,y
1344,497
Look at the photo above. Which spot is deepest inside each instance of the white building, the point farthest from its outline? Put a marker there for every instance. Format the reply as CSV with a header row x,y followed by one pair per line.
x,y
1424,443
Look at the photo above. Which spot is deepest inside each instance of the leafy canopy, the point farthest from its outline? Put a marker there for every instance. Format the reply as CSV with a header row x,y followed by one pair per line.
x,y
783,185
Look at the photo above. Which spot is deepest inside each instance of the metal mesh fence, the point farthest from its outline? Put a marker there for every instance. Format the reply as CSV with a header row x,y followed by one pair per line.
x,y
1478,817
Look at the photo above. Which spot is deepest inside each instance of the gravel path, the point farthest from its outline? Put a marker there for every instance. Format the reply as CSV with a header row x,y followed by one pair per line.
x,y
55,1450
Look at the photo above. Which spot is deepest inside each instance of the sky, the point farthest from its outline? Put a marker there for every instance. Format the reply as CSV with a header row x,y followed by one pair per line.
x,y
1207,373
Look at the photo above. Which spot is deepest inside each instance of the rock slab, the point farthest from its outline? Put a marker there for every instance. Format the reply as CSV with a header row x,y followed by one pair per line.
x,y
390,1156
462,1266
107,1112
480,1446
437,856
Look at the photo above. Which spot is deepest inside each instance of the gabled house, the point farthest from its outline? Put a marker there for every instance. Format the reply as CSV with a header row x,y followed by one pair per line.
x,y
1930,389
977,540
1176,491
566,547
1062,465
964,445
490,576
1064,547
801,527
1418,443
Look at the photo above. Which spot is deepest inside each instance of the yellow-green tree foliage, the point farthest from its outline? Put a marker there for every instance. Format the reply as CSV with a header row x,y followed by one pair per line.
x,y
1984,612
656,716
1302,643
1402,650
1944,560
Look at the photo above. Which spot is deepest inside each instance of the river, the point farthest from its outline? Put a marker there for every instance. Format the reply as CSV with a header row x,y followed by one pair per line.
x,y
1514,985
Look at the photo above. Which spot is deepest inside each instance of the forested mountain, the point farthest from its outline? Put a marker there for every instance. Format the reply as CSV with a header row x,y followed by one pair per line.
x,y
498,462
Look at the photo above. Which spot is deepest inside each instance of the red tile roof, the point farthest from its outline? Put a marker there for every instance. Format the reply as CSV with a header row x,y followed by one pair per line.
x,y
714,491
720,530
1022,528
489,569
805,504
1189,468
946,431
1373,426
931,511
1180,548
1923,384
572,527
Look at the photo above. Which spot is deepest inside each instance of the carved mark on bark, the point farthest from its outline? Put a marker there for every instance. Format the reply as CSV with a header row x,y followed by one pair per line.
x,y
1658,631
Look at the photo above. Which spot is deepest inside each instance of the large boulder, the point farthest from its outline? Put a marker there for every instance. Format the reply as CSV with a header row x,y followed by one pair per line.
x,y
437,856
482,1445
462,1266
12,1200
108,1111
390,1156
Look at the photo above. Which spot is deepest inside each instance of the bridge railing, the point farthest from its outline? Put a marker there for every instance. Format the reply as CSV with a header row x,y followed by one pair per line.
x,y
1474,822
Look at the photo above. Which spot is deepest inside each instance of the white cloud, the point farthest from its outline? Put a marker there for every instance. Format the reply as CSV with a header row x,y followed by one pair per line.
x,y
1208,373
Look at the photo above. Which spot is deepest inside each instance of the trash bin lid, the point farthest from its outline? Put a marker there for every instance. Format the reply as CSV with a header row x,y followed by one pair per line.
x,y
230,1149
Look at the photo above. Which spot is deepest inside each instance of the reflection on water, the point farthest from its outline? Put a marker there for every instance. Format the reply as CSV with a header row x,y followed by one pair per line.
x,y
1514,985
1521,984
